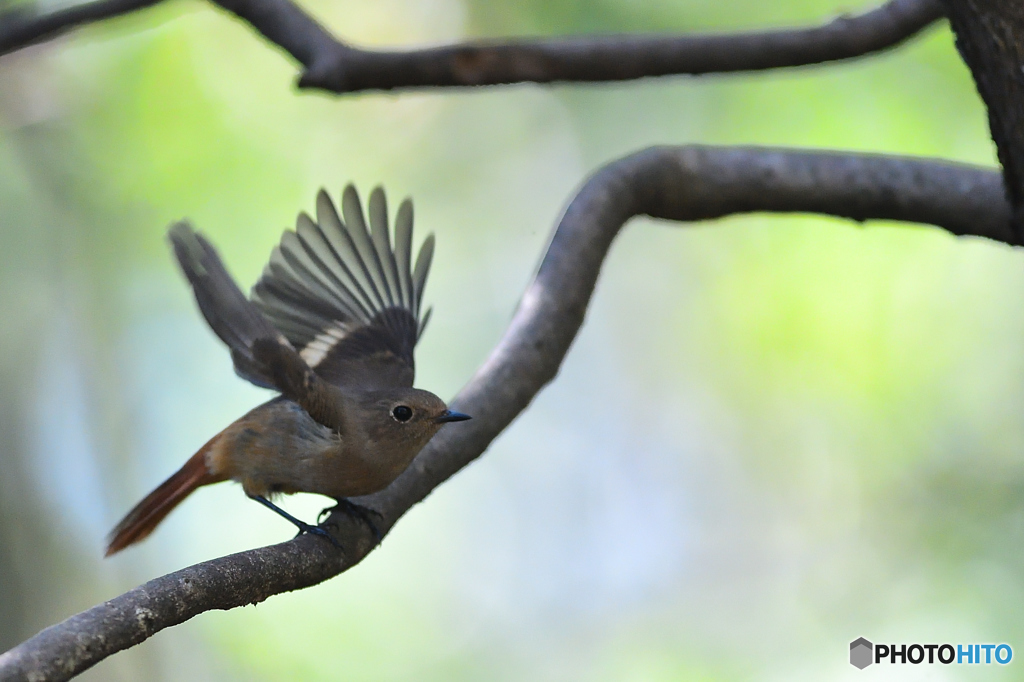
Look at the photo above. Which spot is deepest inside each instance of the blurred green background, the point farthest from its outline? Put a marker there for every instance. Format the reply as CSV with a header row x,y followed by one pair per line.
x,y
773,435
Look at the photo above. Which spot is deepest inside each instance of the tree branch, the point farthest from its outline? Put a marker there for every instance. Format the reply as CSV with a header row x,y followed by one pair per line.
x,y
673,183
990,38
19,28
341,68
334,66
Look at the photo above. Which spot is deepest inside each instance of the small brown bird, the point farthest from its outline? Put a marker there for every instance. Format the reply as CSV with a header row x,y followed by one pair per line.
x,y
331,325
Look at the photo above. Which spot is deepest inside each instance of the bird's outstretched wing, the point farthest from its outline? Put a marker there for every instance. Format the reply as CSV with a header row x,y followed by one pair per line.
x,y
229,313
261,353
346,298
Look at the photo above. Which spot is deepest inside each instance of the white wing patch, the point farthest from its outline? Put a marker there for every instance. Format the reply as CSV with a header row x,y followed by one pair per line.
x,y
317,349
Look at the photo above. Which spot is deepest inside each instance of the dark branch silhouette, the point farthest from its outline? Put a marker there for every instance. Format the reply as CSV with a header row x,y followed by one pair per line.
x,y
990,38
334,66
672,183
20,28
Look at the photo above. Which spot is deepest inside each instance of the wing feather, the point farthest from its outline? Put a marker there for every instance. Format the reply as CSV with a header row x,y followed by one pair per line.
x,y
345,251
346,296
325,257
403,251
419,275
378,213
352,209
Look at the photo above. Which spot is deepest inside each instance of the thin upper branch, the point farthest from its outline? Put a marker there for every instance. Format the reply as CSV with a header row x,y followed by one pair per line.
x,y
674,183
19,28
334,66
341,68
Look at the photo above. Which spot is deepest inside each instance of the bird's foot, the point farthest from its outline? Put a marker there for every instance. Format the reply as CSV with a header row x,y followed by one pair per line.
x,y
358,511
305,528
301,525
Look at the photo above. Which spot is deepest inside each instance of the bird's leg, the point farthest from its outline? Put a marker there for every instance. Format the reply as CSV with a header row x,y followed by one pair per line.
x,y
358,511
301,525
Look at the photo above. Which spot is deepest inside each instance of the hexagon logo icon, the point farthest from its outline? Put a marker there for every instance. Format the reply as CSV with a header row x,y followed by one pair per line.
x,y
861,653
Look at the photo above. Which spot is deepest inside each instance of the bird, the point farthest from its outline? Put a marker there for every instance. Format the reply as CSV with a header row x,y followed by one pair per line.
x,y
330,325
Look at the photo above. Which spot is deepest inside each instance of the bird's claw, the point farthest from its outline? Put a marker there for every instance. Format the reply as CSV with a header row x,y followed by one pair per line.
x,y
358,511
306,528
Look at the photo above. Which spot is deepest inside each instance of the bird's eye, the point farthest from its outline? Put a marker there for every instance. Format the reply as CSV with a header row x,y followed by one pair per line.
x,y
402,413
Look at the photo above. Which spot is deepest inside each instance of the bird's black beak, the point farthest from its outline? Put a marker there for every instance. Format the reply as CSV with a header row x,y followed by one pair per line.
x,y
451,416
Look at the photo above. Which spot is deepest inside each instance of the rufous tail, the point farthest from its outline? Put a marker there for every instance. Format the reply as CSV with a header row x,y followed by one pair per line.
x,y
147,514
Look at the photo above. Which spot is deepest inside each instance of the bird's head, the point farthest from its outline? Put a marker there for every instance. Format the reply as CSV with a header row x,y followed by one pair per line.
x,y
400,420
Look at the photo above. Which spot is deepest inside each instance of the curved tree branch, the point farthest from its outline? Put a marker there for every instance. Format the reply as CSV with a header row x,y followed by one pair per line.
x,y
334,66
673,183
